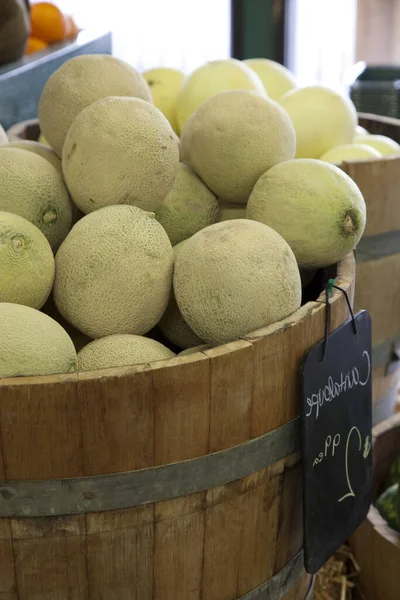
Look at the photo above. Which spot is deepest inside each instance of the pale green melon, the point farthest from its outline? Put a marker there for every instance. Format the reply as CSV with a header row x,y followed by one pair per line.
x,y
276,78
26,262
233,138
32,343
165,85
385,145
172,325
350,152
32,188
41,149
211,79
114,272
79,82
121,351
234,277
322,119
120,151
316,208
188,207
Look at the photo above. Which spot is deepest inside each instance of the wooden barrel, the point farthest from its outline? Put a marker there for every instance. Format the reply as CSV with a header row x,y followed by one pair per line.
x,y
378,263
376,546
176,480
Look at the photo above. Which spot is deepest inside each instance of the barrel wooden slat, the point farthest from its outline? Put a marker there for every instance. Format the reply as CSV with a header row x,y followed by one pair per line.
x,y
227,542
231,395
7,570
111,444
41,429
291,513
259,532
379,182
120,548
53,556
378,288
181,396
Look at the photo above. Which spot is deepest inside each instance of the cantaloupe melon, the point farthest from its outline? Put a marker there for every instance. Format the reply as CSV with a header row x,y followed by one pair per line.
x,y
315,206
233,138
322,118
385,145
172,325
3,137
165,85
120,151
210,79
79,82
121,351
349,152
114,272
188,207
40,149
32,188
234,277
32,343
276,78
26,262
229,210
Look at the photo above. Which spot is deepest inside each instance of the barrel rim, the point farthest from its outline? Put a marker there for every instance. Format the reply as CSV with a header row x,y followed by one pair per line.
x,y
345,278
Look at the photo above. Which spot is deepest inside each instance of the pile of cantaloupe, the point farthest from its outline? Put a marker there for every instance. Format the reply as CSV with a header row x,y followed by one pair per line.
x,y
169,213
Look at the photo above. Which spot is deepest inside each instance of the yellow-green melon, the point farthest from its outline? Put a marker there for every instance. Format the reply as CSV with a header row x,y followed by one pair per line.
x,y
32,343
322,118
79,82
32,188
349,152
121,351
235,277
114,272
120,151
26,262
233,138
276,78
316,208
210,79
40,149
188,207
165,85
385,145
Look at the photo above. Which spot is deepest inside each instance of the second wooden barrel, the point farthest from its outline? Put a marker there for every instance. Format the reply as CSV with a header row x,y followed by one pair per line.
x,y
378,263
177,480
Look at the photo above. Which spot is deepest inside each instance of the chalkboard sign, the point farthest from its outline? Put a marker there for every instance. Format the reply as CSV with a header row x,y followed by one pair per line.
x,y
337,424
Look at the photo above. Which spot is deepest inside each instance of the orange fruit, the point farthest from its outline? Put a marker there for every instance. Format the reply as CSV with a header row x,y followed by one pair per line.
x,y
47,22
72,28
34,45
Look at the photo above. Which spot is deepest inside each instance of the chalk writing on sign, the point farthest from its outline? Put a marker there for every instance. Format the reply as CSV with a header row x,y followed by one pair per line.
x,y
334,388
332,442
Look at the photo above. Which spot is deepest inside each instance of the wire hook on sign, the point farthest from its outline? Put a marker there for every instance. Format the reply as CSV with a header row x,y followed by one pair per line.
x,y
328,290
